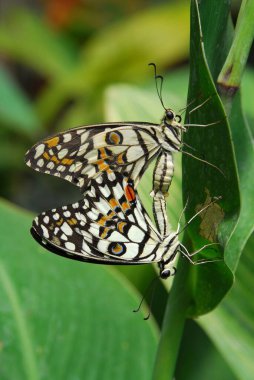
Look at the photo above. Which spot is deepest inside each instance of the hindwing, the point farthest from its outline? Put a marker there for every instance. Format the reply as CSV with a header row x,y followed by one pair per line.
x,y
109,225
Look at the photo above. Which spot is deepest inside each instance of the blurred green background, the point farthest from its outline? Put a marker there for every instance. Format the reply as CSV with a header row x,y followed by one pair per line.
x,y
63,64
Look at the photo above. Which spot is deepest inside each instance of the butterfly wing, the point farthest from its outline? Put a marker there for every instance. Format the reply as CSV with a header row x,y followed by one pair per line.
x,y
109,226
83,153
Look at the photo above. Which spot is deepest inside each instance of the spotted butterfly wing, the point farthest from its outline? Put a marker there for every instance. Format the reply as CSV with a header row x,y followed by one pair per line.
x,y
109,225
83,153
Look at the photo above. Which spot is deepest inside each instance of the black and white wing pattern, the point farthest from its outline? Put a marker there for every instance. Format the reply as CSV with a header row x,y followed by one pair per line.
x,y
108,226
84,153
80,154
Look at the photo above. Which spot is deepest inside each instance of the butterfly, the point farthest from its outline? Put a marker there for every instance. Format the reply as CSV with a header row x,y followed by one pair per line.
x,y
108,226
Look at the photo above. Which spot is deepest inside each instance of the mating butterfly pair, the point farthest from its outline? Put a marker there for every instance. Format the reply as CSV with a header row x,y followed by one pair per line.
x,y
106,161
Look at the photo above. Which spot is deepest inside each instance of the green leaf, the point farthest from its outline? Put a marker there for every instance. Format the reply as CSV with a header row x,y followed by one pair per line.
x,y
201,181
195,360
16,111
247,92
230,326
64,319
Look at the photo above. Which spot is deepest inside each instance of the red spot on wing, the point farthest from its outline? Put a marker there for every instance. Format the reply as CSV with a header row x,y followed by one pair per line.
x,y
130,194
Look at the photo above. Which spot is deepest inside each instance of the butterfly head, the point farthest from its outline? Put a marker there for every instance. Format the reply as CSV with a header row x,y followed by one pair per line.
x,y
172,128
173,121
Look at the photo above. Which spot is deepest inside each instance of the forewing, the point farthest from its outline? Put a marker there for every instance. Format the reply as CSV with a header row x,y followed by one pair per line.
x,y
109,225
83,153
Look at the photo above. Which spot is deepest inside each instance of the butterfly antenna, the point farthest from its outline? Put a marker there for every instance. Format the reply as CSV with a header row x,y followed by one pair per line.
x,y
198,213
204,161
189,146
200,105
182,110
202,125
144,296
151,301
182,213
158,89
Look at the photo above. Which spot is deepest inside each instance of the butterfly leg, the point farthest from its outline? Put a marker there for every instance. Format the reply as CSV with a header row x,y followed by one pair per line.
x,y
189,255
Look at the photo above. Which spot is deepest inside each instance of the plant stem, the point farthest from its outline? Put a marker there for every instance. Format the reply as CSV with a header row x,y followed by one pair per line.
x,y
230,76
173,324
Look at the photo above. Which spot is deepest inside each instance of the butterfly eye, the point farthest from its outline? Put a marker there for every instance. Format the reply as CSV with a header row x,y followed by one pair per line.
x,y
170,115
165,273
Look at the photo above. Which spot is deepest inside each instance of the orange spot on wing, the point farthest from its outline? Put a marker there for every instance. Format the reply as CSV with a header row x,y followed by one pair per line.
x,y
102,153
117,248
67,161
55,159
104,233
102,165
52,142
120,226
125,206
104,218
45,155
72,221
60,222
120,159
115,138
113,202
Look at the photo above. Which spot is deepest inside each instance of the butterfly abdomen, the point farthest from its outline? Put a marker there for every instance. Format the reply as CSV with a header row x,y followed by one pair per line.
x,y
163,173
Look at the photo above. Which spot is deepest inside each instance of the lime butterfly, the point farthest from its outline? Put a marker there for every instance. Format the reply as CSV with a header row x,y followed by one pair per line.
x,y
109,226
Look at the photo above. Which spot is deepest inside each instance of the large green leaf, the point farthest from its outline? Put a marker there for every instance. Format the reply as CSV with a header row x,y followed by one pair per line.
x,y
231,326
61,319
247,92
214,144
198,355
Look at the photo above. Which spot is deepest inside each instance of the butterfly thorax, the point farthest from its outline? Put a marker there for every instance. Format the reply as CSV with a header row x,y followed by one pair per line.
x,y
167,264
171,140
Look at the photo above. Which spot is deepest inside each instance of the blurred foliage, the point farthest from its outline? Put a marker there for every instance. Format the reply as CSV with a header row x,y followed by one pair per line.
x,y
63,64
